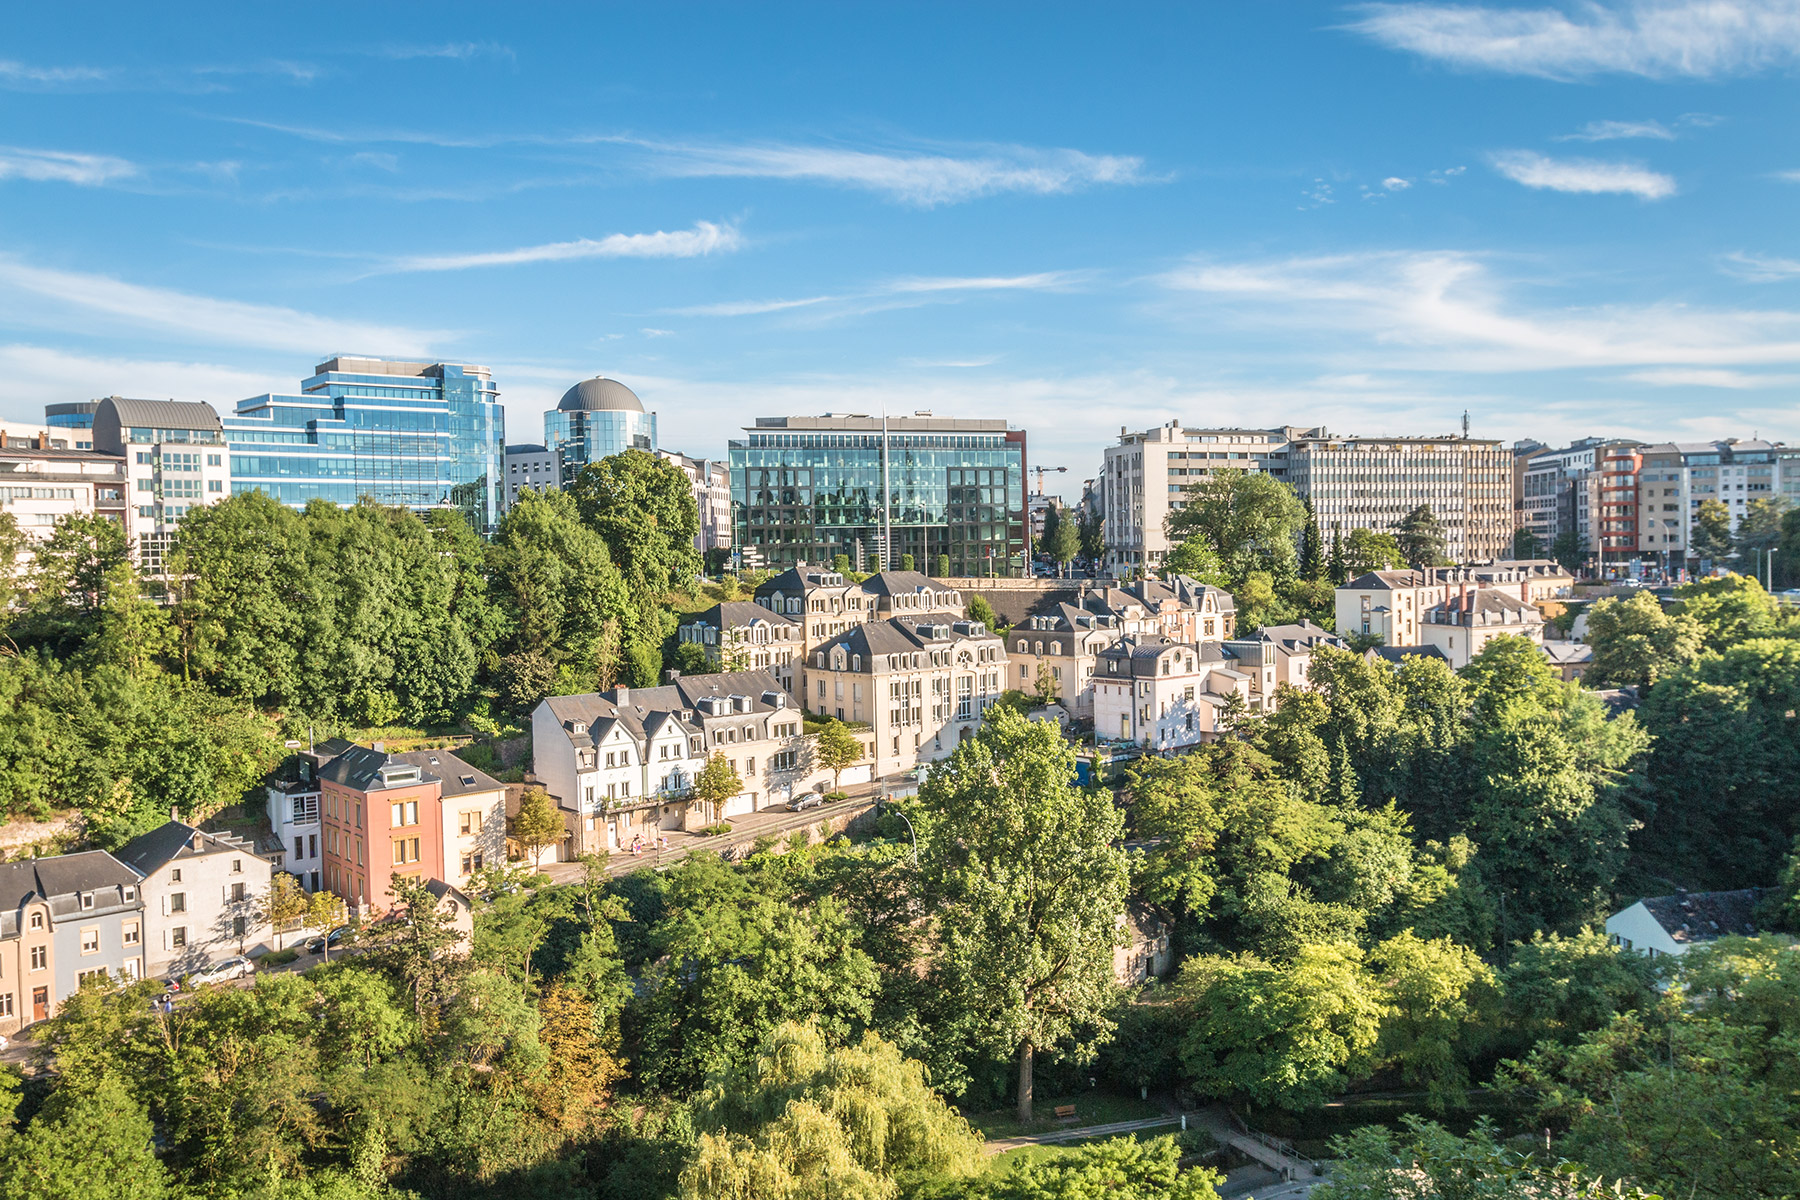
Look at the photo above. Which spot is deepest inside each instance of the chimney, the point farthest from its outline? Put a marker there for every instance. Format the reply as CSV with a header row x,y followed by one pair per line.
x,y
172,815
671,675
379,747
621,696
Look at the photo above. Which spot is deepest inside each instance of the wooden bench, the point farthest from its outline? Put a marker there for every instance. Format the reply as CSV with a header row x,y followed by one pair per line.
x,y
1065,1112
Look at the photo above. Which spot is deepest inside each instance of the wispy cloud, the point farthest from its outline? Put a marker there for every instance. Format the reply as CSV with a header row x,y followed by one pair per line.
x,y
1710,377
924,179
1760,268
704,238
1658,39
909,290
203,320
39,375
63,166
18,76
1582,175
461,51
1445,310
1610,131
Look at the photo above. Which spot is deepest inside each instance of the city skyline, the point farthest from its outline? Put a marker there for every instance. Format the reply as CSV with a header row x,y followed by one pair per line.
x,y
1568,221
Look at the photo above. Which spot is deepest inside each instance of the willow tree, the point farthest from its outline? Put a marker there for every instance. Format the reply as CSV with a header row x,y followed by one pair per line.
x,y
1027,880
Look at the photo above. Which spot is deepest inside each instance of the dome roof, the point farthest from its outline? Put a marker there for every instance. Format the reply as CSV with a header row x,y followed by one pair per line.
x,y
600,393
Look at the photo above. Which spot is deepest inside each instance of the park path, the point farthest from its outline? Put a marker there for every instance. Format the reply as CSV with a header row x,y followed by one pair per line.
x,y
1002,1145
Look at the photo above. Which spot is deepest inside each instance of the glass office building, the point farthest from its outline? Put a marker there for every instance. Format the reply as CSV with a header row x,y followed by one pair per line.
x,y
78,415
596,419
805,489
415,435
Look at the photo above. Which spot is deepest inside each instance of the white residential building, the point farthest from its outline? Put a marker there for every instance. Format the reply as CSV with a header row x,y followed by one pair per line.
x,y
1162,694
40,483
739,636
175,460
710,482
1672,925
1457,609
204,896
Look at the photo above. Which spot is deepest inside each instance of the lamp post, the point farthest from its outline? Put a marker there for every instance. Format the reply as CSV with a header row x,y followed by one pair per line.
x,y
910,831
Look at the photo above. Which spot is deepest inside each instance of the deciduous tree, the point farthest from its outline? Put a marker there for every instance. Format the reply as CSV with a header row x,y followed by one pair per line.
x,y
837,748
717,782
538,825
1251,521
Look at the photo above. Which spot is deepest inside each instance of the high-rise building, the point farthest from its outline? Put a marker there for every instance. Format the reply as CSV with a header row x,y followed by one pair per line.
x,y
806,489
1353,483
1587,490
175,460
596,419
416,435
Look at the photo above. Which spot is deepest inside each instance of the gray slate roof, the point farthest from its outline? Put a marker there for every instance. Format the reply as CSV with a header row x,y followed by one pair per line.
x,y
150,852
1693,917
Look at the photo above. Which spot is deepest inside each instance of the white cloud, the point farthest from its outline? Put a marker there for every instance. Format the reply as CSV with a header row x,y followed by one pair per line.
x,y
915,178
200,319
461,51
1394,183
39,375
1758,268
884,295
62,166
1658,39
704,238
1582,175
20,76
1709,377
1609,131
1445,311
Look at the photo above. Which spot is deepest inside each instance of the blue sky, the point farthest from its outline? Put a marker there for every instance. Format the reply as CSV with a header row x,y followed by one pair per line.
x,y
1566,219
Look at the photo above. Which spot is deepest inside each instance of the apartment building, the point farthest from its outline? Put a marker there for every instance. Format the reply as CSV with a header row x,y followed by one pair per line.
x,y
1064,644
1456,609
1353,483
175,460
621,764
1675,478
710,482
1588,490
292,803
529,467
1279,656
921,683
913,595
1164,694
41,483
737,635
821,599
203,897
64,920
423,813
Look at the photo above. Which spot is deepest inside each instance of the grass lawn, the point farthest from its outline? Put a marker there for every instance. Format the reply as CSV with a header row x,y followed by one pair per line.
x,y
1091,1108
1011,1159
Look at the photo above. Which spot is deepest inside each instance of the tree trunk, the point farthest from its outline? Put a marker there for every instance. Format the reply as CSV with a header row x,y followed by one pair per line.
x,y
1025,1082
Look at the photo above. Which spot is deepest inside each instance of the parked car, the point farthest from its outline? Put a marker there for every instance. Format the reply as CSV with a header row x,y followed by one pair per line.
x,y
316,944
810,800
235,967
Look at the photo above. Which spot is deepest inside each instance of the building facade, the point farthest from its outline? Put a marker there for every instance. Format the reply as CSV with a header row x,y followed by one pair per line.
x,y
77,419
806,489
710,481
596,419
1675,478
409,434
739,636
203,897
1353,483
1458,610
822,600
920,685
530,467
64,920
41,484
175,459
1162,694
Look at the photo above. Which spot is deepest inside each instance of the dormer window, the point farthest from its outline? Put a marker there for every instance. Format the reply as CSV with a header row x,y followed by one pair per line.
x,y
87,900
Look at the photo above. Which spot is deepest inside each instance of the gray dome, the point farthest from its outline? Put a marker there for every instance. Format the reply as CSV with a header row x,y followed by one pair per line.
x,y
600,394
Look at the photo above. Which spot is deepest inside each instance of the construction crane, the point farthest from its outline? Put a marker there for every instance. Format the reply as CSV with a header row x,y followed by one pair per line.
x,y
1040,474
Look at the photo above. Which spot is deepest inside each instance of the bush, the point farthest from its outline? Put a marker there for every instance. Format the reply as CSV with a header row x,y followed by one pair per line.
x,y
279,958
719,830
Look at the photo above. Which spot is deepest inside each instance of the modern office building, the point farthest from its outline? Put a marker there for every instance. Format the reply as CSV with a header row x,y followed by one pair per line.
x,y
532,467
1353,483
416,435
174,459
806,489
596,419
77,418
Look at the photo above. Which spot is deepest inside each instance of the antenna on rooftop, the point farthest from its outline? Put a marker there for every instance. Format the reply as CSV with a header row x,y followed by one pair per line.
x,y
1465,424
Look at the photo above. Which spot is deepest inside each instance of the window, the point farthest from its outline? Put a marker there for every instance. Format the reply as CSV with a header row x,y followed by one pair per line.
x,y
238,925
215,485
40,957
406,813
178,937
239,891
175,875
177,902
82,977
237,866
90,941
130,894
6,1004
299,847
468,819
406,850
87,900
129,933
37,920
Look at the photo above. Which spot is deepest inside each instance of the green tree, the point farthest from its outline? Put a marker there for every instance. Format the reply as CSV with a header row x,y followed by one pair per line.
x,y
1567,549
1420,536
981,610
1045,687
68,580
524,678
1251,521
1759,529
1728,610
1558,989
1440,997
1120,1168
838,1121
1196,559
1424,1159
1312,544
283,903
643,509
1710,537
837,748
1336,569
12,544
92,1143
717,782
538,825
1093,536
1365,551
1288,1035
942,570
1027,884
557,581
1526,545
907,563
1063,543
1636,642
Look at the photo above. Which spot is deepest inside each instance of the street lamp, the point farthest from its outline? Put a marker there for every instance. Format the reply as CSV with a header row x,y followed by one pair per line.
x,y
910,831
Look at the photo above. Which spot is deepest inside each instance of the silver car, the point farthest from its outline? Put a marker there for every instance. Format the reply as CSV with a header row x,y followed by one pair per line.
x,y
235,967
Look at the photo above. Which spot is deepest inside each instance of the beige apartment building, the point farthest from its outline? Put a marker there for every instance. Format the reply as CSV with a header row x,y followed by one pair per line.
x,y
1459,610
739,636
921,685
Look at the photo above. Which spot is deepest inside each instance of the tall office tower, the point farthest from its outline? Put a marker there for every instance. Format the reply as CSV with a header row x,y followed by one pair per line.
x,y
806,489
596,419
175,460
416,435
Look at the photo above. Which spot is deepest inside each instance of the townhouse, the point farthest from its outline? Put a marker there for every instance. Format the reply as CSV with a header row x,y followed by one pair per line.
x,y
65,920
203,897
1165,694
1459,610
921,685
822,600
740,636
1062,644
292,805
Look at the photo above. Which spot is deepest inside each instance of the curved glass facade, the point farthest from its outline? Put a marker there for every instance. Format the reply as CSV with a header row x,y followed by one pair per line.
x,y
803,490
415,435
581,436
